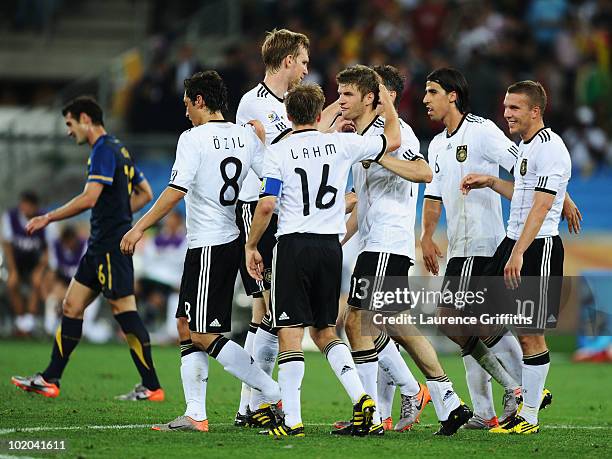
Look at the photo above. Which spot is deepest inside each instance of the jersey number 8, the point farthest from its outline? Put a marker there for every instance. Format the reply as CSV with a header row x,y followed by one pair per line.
x,y
230,182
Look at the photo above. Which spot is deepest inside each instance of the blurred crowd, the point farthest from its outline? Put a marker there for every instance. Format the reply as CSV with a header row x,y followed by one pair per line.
x,y
565,45
36,271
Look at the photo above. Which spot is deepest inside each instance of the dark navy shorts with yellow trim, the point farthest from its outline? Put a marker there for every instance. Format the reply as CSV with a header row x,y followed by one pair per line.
x,y
110,272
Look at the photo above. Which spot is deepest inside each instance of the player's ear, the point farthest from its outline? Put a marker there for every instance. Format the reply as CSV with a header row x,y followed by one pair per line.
x,y
288,60
84,118
369,98
318,117
452,96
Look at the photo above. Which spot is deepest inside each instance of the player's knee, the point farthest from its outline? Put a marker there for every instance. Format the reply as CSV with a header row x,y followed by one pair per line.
x,y
322,336
182,326
203,340
72,309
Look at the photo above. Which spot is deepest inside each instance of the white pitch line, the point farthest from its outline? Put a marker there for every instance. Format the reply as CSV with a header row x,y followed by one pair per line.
x,y
147,426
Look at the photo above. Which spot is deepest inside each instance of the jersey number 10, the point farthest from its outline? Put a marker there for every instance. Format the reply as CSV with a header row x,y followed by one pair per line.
x,y
324,189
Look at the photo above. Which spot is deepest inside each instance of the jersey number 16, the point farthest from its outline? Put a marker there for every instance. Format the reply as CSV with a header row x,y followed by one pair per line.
x,y
324,189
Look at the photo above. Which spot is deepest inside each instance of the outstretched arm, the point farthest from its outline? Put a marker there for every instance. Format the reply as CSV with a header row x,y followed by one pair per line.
x,y
417,171
475,181
164,204
80,203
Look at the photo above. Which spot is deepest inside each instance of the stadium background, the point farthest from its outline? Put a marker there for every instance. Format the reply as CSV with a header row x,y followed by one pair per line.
x,y
133,55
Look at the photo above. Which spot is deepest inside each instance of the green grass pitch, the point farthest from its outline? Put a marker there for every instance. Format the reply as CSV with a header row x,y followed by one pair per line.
x,y
578,424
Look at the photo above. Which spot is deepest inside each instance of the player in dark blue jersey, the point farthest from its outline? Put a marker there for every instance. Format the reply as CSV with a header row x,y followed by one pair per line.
x,y
114,189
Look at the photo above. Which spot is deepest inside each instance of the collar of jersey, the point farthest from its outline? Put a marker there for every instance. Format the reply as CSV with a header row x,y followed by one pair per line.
x,y
369,125
533,136
303,130
448,136
271,93
100,140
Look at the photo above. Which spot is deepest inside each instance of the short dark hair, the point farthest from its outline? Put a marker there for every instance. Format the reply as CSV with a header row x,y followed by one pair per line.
x,y
533,90
279,44
211,87
364,78
392,79
29,196
452,80
87,105
304,103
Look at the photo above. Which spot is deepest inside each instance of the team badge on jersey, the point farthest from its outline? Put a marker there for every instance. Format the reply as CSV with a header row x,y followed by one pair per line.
x,y
461,153
366,163
523,169
273,117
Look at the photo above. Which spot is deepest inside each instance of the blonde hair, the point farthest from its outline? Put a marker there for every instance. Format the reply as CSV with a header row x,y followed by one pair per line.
x,y
279,44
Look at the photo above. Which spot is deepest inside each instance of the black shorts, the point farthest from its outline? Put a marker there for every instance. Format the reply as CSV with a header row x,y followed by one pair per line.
x,y
244,217
372,274
207,287
463,274
306,277
111,273
539,294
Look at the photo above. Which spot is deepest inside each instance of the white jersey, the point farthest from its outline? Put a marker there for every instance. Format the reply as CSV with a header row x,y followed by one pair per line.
x,y
262,105
386,203
309,171
211,163
475,225
543,165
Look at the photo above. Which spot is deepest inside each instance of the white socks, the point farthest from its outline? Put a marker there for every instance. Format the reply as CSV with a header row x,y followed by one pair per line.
x,y
487,360
366,364
479,386
265,351
194,376
245,392
386,392
509,352
290,376
339,357
443,396
391,361
239,363
535,370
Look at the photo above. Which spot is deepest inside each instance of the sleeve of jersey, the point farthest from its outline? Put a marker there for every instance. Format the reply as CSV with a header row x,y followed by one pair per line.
x,y
272,183
258,154
365,147
498,148
185,165
101,165
549,170
138,176
432,189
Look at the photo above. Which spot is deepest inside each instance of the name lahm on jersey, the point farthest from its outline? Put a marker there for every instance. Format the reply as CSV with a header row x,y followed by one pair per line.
x,y
314,152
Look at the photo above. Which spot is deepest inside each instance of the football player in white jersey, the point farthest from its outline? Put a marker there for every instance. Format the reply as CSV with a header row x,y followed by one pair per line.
x,y
212,160
474,227
307,174
532,248
381,194
285,57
